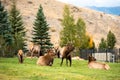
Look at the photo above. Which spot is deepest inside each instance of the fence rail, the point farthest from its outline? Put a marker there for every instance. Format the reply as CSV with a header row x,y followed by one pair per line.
x,y
108,55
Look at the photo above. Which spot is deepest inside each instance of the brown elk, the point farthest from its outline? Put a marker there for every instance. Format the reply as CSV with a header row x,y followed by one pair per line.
x,y
34,49
20,56
65,53
97,65
57,51
47,59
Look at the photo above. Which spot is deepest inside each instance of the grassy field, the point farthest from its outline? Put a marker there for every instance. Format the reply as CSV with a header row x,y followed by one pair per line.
x,y
10,69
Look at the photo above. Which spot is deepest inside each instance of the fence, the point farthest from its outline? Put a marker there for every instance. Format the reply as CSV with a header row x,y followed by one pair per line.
x,y
108,55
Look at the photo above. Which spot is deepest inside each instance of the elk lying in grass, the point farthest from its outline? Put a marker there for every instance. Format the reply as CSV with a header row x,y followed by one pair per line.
x,y
97,65
47,59
34,49
65,53
20,56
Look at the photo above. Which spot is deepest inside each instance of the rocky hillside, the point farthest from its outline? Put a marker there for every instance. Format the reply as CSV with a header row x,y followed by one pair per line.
x,y
98,24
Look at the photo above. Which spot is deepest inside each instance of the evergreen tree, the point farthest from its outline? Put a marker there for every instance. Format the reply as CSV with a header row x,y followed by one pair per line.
x,y
111,40
18,28
6,38
103,44
68,32
40,33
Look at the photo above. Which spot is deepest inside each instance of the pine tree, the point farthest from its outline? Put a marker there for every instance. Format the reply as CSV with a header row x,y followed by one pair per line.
x,y
68,32
41,31
6,38
18,28
111,40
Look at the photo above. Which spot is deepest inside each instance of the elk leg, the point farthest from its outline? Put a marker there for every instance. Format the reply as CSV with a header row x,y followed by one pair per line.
x,y
58,54
61,61
38,54
21,59
51,62
31,54
67,61
69,57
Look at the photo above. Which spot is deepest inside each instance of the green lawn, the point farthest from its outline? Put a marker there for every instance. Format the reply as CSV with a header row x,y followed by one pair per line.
x,y
10,69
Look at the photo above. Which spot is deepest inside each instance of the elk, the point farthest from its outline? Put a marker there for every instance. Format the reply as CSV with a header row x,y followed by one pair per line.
x,y
20,56
97,65
34,49
65,53
57,51
47,59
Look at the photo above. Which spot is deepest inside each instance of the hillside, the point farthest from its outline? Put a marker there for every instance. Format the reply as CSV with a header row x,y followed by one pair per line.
x,y
98,24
